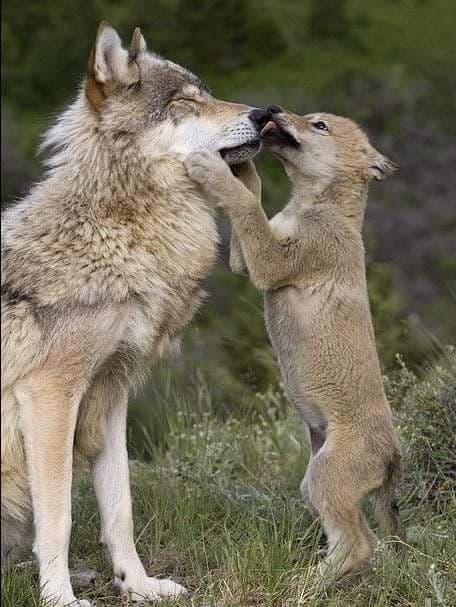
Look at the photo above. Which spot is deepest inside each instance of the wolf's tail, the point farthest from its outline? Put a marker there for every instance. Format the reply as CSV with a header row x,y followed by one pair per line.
x,y
386,505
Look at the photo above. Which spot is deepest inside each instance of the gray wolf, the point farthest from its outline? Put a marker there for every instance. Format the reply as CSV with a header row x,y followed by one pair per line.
x,y
309,260
103,265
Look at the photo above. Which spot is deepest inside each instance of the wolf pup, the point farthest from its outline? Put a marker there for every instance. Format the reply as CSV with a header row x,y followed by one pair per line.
x,y
309,261
103,266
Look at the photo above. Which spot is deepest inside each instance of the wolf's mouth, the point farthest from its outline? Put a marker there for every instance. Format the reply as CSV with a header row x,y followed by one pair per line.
x,y
241,153
276,134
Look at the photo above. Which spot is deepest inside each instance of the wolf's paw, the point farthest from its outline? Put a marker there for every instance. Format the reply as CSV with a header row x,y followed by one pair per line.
x,y
65,602
60,596
150,588
206,168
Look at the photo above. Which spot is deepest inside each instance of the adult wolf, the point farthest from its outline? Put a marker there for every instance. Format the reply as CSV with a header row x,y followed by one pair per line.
x,y
103,267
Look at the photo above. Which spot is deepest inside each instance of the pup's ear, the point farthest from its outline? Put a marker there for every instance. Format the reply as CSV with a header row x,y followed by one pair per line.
x,y
109,66
138,44
382,167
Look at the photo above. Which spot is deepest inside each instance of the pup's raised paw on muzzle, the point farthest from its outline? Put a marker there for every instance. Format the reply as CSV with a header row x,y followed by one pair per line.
x,y
206,168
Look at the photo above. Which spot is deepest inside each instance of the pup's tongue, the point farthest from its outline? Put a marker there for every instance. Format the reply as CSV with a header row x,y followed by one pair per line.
x,y
269,126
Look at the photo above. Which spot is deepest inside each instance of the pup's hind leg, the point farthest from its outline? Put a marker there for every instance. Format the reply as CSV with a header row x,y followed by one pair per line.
x,y
305,490
316,437
336,492
49,403
350,541
112,488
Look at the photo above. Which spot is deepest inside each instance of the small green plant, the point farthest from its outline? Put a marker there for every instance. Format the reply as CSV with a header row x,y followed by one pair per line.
x,y
426,417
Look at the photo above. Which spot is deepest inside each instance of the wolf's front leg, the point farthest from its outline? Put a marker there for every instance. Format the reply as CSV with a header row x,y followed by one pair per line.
x,y
49,404
112,487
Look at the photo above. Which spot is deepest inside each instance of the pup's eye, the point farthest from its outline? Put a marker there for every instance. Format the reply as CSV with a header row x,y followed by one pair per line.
x,y
320,125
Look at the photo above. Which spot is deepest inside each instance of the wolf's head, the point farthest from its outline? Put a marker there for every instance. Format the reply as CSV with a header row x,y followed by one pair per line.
x,y
169,110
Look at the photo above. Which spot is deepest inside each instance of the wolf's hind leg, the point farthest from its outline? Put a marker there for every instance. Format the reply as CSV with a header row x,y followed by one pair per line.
x,y
16,537
16,507
49,403
112,488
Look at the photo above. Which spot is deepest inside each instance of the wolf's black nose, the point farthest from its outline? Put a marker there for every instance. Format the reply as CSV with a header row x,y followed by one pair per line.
x,y
259,117
274,109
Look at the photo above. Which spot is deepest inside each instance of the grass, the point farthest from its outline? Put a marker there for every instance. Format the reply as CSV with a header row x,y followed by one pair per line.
x,y
217,507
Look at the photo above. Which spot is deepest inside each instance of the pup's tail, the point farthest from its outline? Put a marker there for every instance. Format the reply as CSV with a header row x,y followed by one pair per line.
x,y
386,499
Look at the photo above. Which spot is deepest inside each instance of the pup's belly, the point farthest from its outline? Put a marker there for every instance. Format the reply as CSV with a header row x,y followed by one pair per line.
x,y
290,327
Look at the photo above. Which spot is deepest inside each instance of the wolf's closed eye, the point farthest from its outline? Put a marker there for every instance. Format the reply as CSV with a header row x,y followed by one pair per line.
x,y
185,100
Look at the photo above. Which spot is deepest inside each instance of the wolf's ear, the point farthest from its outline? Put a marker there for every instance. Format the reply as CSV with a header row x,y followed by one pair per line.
x,y
382,167
138,44
109,66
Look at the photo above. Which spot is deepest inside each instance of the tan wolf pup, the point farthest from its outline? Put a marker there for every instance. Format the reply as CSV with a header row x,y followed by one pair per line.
x,y
103,265
309,261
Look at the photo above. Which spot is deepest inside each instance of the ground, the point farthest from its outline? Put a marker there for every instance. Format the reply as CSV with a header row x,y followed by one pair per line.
x,y
217,508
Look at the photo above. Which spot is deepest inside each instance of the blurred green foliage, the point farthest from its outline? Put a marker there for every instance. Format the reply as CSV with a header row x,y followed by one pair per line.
x,y
390,65
289,49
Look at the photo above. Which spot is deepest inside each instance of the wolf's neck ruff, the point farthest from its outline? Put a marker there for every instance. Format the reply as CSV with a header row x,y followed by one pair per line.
x,y
126,225
96,161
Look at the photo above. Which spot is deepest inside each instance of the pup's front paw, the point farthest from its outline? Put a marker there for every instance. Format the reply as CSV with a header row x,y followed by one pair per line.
x,y
206,168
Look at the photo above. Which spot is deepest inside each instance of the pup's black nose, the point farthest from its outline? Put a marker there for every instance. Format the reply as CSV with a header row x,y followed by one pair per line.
x,y
274,109
259,117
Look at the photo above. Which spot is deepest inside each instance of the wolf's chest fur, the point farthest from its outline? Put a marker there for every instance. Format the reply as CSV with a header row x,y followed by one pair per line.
x,y
149,254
